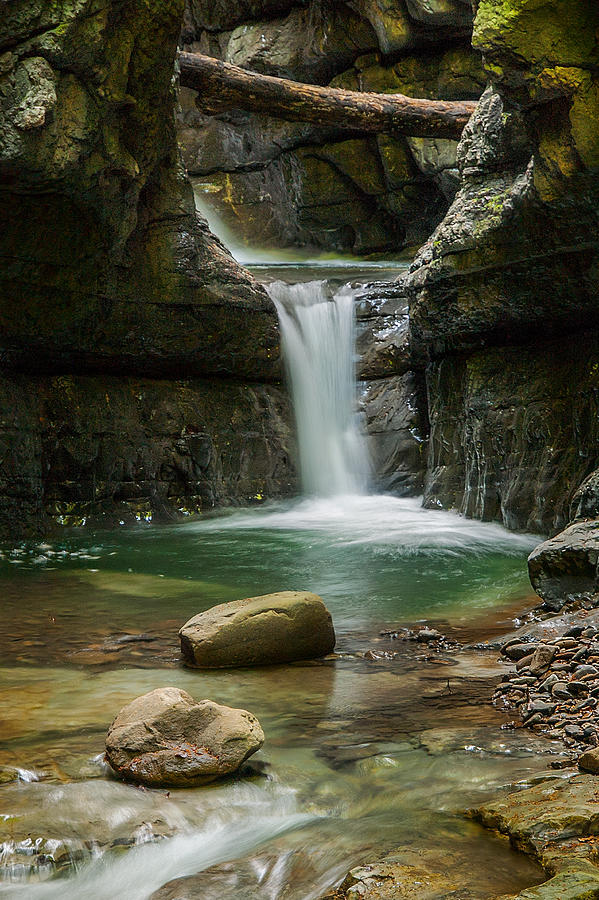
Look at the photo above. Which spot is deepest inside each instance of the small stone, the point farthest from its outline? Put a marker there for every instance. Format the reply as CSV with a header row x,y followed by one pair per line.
x,y
589,703
589,761
582,671
541,659
535,719
539,706
549,682
561,691
425,635
574,731
518,651
524,663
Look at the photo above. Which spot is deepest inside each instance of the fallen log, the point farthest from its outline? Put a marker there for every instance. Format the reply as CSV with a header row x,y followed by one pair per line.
x,y
222,87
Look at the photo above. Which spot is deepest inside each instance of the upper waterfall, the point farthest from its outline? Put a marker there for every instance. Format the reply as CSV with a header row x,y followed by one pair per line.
x,y
318,338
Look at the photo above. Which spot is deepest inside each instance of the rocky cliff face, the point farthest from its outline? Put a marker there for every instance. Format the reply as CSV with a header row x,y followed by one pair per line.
x,y
106,270
293,184
504,295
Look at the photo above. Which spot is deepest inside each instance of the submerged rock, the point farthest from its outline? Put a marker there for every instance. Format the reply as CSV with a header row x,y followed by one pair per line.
x,y
388,881
166,738
274,628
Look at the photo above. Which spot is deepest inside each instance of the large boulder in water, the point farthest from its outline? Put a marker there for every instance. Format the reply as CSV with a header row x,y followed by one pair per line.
x,y
273,628
166,738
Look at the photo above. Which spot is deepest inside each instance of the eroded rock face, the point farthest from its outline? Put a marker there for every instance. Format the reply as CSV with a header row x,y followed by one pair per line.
x,y
274,628
107,270
166,738
297,184
566,565
503,296
396,432
513,429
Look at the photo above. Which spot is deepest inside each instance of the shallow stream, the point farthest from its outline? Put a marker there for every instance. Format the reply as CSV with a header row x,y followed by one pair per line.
x,y
380,748
362,754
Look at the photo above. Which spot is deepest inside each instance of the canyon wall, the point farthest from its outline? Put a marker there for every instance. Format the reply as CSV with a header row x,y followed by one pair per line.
x,y
289,184
503,297
139,364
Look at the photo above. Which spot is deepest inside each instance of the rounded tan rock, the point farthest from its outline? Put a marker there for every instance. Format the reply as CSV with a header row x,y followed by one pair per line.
x,y
273,628
167,739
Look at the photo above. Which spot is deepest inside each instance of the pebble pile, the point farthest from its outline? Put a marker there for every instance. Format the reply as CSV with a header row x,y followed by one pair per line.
x,y
555,686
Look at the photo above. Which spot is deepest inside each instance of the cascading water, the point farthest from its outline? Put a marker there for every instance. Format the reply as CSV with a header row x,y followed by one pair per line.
x,y
347,770
318,336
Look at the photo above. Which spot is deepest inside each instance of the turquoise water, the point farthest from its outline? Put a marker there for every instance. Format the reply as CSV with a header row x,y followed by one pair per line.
x,y
380,747
363,754
373,560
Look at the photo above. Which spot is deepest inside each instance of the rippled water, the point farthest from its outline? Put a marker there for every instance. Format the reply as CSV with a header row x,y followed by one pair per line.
x,y
379,748
363,754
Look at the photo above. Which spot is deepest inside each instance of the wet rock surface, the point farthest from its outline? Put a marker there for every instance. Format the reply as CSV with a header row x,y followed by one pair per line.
x,y
555,821
274,628
566,566
109,276
512,431
166,738
297,184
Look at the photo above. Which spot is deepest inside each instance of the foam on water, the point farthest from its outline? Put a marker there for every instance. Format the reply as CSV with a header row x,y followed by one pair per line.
x,y
147,866
397,523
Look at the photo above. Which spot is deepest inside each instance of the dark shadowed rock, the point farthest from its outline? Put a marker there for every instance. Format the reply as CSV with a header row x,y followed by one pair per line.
x,y
166,738
585,502
274,628
566,565
109,274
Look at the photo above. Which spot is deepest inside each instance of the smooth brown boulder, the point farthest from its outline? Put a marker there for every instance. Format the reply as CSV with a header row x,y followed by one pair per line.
x,y
167,739
273,628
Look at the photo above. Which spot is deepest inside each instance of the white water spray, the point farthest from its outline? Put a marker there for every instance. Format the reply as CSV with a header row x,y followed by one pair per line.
x,y
318,336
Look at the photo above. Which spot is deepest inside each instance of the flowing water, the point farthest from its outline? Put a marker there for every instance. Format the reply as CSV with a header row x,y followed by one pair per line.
x,y
318,341
378,749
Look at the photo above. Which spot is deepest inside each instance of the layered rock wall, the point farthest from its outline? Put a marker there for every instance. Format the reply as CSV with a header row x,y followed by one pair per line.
x,y
287,184
109,278
504,296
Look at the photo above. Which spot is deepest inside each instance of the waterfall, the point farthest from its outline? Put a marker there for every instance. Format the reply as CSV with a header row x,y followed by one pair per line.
x,y
318,338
